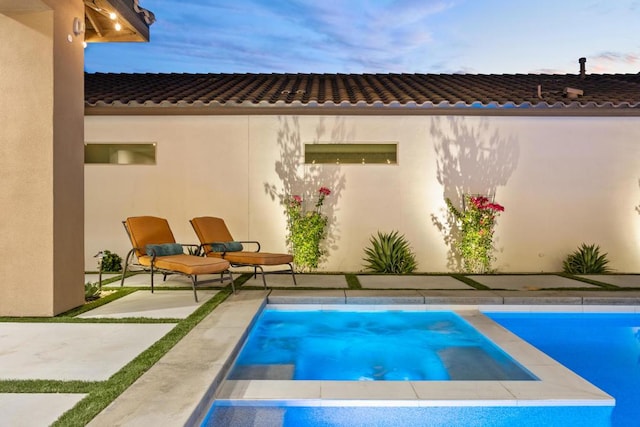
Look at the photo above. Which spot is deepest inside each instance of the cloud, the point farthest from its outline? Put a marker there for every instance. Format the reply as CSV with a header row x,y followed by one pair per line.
x,y
281,36
370,36
610,61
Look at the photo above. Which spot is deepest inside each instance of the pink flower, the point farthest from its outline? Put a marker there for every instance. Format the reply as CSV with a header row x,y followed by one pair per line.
x,y
324,191
297,199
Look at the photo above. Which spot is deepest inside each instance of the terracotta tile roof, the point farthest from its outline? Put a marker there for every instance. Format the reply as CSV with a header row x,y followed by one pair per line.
x,y
415,91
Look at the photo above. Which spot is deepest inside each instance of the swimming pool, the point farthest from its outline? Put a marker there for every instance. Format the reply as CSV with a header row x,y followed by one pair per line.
x,y
558,397
602,348
370,346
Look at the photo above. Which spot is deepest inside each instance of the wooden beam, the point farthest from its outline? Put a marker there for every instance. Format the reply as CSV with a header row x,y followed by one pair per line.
x,y
92,16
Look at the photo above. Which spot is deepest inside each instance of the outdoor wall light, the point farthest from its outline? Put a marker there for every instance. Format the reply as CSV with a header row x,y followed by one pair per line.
x,y
78,26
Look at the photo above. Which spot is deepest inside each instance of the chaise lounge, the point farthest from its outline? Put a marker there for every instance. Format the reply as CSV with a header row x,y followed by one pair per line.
x,y
216,241
156,250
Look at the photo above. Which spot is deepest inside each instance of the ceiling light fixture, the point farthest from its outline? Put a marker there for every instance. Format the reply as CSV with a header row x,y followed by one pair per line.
x,y
118,27
112,16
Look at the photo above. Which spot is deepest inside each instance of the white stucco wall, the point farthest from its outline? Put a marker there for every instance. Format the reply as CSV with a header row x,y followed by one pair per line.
x,y
562,180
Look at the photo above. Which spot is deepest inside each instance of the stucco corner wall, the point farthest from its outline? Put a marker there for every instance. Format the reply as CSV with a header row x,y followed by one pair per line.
x,y
41,167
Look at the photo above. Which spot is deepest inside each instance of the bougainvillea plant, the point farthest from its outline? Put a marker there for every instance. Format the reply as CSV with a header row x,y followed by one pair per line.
x,y
476,221
307,230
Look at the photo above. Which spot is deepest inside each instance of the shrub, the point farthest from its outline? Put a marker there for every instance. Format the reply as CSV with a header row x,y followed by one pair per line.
x,y
586,260
389,253
111,262
476,221
91,291
307,230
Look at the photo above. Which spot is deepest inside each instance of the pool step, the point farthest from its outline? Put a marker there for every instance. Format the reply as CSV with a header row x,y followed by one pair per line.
x,y
262,372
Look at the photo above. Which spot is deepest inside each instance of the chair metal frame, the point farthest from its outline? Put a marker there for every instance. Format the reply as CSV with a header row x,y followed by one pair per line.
x,y
202,248
256,267
152,268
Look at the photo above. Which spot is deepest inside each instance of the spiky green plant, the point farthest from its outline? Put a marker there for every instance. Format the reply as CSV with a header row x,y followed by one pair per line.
x,y
586,260
389,253
91,291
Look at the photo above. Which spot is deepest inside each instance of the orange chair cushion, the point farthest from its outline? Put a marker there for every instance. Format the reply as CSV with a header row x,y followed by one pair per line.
x,y
146,230
210,230
253,258
187,264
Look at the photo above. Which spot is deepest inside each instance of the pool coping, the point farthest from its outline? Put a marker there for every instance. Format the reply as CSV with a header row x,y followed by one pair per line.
x,y
179,389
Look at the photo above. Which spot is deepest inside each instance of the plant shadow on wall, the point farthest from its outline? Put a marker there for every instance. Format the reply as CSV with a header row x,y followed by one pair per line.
x,y
472,157
306,181
638,207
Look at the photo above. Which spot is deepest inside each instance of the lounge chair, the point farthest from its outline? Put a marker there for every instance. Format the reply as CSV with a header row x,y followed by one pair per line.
x,y
216,241
156,250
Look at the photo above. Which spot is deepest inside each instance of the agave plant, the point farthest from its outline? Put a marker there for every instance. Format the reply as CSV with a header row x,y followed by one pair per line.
x,y
586,260
91,291
389,253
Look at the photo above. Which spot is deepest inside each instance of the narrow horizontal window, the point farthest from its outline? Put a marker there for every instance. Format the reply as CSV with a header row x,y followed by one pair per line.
x,y
120,154
351,154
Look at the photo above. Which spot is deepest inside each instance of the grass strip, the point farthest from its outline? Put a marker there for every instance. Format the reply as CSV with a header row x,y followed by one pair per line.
x,y
119,293
352,281
471,282
103,394
606,286
48,386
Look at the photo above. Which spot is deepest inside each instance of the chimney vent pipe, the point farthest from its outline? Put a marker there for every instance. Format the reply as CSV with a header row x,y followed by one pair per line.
x,y
583,69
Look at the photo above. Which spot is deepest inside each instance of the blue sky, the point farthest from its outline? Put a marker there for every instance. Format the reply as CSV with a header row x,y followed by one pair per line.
x,y
380,36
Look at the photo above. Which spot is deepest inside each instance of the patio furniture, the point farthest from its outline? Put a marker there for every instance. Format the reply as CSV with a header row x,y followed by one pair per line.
x,y
156,250
216,241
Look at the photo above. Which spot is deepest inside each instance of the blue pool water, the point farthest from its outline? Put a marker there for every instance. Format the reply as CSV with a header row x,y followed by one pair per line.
x,y
602,348
370,346
223,414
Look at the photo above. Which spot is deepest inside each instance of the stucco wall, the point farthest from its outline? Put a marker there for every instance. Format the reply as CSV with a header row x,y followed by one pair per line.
x,y
41,186
563,181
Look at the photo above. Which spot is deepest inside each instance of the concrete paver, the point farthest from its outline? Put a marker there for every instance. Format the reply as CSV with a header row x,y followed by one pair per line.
x,y
620,280
36,409
95,277
410,282
357,296
303,280
161,304
528,282
72,351
172,281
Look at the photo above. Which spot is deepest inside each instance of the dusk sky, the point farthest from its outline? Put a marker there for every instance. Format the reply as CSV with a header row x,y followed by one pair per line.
x,y
380,36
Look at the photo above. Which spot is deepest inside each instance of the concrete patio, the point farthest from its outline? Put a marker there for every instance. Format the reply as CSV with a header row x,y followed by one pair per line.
x,y
95,351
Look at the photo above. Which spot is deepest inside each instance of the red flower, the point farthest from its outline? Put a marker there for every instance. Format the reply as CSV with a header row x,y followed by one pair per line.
x,y
297,199
324,191
495,207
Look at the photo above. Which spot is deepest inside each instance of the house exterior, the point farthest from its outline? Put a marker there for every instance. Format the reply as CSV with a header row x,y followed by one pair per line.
x,y
560,152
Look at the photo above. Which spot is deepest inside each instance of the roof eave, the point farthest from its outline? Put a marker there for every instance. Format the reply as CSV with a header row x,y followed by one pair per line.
x,y
102,109
130,19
